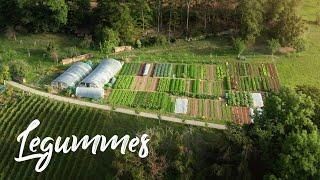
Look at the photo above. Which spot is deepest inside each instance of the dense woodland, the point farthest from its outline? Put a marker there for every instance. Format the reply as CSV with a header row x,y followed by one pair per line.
x,y
145,22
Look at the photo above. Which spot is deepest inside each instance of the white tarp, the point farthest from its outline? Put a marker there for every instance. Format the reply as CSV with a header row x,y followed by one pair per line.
x,y
181,106
86,92
257,100
146,69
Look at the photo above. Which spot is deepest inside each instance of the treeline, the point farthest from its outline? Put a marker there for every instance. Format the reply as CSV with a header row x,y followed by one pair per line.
x,y
131,22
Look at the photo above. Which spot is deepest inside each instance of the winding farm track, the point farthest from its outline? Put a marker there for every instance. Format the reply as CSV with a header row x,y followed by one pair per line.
x,y
108,108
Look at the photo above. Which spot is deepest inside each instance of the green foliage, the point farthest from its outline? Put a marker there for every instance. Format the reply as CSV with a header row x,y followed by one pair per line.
x,y
242,98
239,45
116,16
250,14
124,82
138,99
131,69
4,72
19,69
42,16
283,142
79,14
177,86
164,85
314,93
163,70
273,45
108,40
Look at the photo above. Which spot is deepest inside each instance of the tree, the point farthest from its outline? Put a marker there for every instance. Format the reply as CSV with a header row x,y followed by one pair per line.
x,y
239,46
314,93
285,143
43,16
117,17
273,46
289,26
79,15
250,14
141,13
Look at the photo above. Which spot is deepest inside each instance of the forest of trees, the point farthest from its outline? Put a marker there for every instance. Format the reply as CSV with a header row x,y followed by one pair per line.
x,y
126,22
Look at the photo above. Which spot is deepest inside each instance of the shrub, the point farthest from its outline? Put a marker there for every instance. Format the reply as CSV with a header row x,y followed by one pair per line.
x,y
161,40
239,45
19,69
73,51
86,42
9,55
109,40
138,44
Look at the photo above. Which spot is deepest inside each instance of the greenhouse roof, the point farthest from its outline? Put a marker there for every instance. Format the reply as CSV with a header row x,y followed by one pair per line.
x,y
93,93
74,74
102,74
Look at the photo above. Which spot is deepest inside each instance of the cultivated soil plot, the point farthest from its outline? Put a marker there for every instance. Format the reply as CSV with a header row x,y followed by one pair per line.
x,y
142,83
241,115
209,109
205,85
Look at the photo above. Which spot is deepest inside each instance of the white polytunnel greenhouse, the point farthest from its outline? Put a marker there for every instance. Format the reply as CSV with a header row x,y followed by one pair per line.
x,y
93,93
102,74
72,76
181,106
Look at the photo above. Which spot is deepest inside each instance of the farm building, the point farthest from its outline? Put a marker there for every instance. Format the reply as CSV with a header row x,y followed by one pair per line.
x,y
181,106
93,93
102,74
72,76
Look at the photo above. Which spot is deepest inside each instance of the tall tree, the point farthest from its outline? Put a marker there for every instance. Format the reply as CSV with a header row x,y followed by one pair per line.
x,y
40,15
285,141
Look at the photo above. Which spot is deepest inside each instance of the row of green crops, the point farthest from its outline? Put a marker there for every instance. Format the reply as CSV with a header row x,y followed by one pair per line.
x,y
239,99
228,83
195,86
140,99
163,70
210,90
190,71
164,85
124,82
153,101
264,70
196,71
220,72
254,84
121,97
177,86
131,69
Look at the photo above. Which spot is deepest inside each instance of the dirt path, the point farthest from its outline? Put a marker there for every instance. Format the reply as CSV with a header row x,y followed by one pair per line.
x,y
108,108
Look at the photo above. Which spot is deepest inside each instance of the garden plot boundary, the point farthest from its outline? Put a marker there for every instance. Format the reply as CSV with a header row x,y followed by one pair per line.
x,y
108,108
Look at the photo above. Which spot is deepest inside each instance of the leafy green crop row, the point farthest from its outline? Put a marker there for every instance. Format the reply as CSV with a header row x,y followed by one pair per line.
x,y
163,70
131,69
124,82
239,99
139,99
